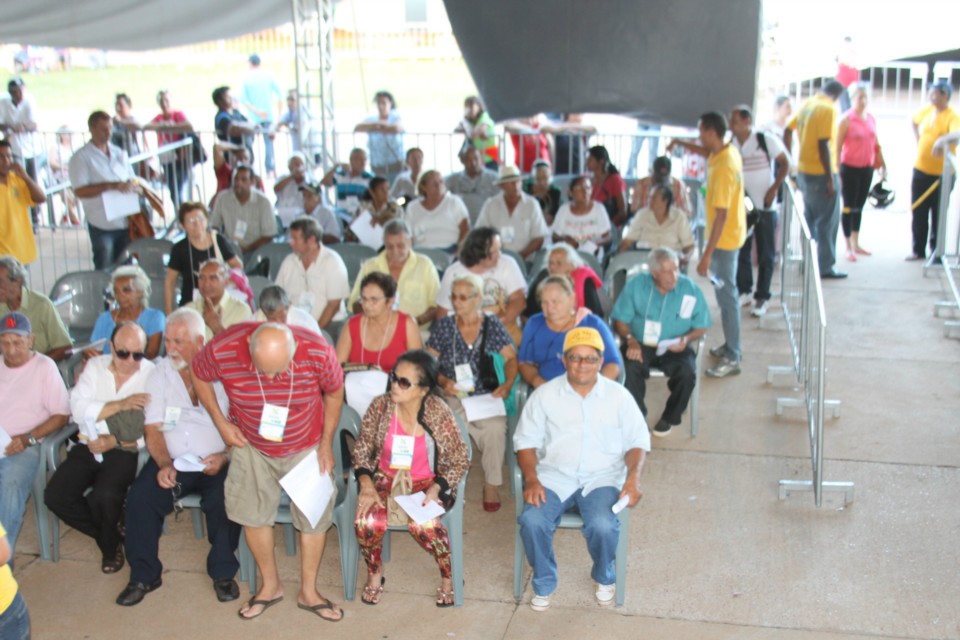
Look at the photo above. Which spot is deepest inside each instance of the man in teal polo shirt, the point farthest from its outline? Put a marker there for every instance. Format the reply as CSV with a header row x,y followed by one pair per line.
x,y
658,316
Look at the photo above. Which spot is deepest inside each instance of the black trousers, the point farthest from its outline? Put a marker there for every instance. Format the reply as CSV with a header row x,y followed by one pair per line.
x,y
97,513
926,215
854,187
680,369
147,505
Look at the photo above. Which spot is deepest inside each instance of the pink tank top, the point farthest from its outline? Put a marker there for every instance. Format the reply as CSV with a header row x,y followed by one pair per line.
x,y
860,144
420,468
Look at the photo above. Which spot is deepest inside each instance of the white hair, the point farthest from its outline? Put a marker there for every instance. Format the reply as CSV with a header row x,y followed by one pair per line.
x,y
191,319
138,278
573,258
474,281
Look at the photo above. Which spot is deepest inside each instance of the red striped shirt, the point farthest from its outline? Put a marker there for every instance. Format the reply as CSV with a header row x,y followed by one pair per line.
x,y
314,371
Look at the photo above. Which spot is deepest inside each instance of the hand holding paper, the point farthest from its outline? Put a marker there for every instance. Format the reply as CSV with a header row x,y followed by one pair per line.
x,y
418,512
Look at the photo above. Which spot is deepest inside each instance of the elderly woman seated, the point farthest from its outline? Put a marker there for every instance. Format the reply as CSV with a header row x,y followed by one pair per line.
x,y
131,293
541,350
378,336
659,176
661,225
563,260
408,431
461,341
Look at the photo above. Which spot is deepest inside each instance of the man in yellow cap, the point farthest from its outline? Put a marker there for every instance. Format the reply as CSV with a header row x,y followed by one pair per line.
x,y
581,442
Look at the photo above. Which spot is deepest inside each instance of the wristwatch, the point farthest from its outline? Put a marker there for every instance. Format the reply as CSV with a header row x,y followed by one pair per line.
x,y
31,441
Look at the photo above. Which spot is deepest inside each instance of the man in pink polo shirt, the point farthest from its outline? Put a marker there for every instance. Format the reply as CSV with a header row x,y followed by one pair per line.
x,y
286,390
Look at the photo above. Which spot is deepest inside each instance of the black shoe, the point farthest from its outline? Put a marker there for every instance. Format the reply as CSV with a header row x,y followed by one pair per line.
x,y
134,592
833,275
226,589
662,428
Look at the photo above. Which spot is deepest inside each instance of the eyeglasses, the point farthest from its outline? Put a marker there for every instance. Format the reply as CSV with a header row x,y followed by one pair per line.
x,y
454,297
126,355
589,360
371,300
403,383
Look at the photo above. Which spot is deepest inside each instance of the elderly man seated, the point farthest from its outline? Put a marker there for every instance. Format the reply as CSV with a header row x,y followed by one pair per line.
x,y
313,276
274,306
218,309
581,442
35,403
658,316
50,337
107,404
187,455
515,214
244,214
418,282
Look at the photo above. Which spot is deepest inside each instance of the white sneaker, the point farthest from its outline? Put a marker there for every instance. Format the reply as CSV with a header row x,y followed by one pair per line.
x,y
759,308
540,603
745,299
605,594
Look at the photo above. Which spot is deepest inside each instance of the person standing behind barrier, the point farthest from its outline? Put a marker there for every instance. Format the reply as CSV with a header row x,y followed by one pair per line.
x,y
261,97
384,137
726,232
816,127
171,125
18,192
765,167
479,128
929,124
859,154
19,125
96,168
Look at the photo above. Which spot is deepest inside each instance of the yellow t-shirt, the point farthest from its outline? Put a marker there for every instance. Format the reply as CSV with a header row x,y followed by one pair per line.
x,y
932,126
16,230
418,286
725,191
815,121
8,586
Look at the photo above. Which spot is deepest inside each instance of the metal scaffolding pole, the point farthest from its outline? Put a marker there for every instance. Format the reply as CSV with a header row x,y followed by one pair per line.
x,y
313,47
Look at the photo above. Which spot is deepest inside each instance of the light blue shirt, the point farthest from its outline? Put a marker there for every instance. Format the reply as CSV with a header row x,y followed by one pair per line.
x,y
385,148
152,321
581,442
260,91
640,301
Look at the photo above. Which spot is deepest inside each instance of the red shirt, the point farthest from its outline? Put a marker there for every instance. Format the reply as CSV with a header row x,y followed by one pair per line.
x,y
529,148
387,358
314,370
612,187
166,137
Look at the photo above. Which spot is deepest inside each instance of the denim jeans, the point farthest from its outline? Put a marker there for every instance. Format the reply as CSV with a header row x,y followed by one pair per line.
x,y
724,266
16,482
15,621
822,212
107,245
269,162
600,528
765,234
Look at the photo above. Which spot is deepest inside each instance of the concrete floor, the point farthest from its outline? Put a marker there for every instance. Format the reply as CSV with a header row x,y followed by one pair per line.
x,y
714,553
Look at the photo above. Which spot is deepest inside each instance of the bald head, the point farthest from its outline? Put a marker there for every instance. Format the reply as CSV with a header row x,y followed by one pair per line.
x,y
272,346
129,336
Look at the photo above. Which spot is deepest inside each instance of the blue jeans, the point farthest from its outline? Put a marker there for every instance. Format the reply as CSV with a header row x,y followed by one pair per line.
x,y
724,266
600,528
822,212
269,162
107,245
16,482
765,234
15,621
637,146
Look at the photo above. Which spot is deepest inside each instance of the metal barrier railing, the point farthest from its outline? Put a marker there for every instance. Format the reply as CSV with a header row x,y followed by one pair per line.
x,y
801,299
946,259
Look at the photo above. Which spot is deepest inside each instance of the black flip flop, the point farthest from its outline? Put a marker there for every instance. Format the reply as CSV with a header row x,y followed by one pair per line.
x,y
253,602
317,608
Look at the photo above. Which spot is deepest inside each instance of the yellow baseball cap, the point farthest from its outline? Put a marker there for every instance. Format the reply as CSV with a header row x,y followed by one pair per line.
x,y
583,336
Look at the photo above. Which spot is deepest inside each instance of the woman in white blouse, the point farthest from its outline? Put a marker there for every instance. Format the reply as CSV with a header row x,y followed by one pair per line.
x,y
582,223
660,225
438,219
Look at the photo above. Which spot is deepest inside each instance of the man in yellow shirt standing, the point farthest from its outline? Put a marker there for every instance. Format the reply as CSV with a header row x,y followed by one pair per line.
x,y
818,171
18,192
726,233
929,124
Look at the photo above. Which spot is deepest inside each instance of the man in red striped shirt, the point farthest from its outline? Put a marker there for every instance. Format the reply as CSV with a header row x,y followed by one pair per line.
x,y
286,391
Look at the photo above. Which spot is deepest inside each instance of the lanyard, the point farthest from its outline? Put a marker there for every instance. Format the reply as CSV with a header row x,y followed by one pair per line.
x,y
383,338
663,304
264,396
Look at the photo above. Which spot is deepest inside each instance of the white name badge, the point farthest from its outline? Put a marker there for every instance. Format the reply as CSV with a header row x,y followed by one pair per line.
x,y
507,234
651,333
240,230
273,421
401,455
464,376
197,295
171,416
686,306
352,203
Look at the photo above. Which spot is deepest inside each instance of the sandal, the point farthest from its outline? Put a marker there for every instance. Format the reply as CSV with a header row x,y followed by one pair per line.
x,y
444,598
112,565
254,602
325,605
372,595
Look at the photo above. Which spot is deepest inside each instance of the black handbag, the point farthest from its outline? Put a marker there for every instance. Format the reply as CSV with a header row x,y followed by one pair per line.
x,y
486,371
199,155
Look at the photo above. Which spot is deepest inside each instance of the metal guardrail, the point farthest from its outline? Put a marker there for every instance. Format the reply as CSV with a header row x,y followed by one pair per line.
x,y
944,259
801,299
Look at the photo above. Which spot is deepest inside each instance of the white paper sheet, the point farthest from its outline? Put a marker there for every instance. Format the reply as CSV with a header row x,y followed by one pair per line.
x,y
483,406
687,305
362,387
366,232
413,505
89,429
5,439
120,205
308,489
620,505
97,344
188,462
663,345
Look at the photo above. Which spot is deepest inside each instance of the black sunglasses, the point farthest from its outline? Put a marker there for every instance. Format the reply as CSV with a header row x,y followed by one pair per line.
x,y
126,355
403,383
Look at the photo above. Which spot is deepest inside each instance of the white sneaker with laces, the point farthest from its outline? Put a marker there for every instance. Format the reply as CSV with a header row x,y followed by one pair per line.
x,y
605,594
540,603
745,299
759,308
